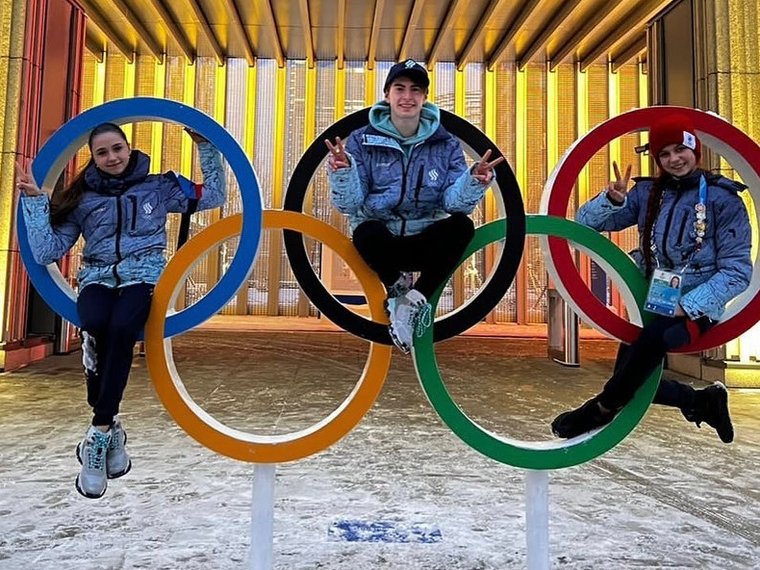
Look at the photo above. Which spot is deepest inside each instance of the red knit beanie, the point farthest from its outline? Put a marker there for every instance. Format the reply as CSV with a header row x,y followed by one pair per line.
x,y
674,128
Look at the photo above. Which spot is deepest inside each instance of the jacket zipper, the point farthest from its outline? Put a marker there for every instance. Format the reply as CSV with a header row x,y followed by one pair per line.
x,y
403,187
419,186
133,199
118,240
668,222
681,230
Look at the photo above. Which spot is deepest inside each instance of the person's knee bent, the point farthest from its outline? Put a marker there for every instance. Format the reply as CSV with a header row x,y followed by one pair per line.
x,y
462,227
367,230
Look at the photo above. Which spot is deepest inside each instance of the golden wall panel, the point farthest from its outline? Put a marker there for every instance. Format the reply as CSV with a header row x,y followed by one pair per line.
x,y
224,93
12,22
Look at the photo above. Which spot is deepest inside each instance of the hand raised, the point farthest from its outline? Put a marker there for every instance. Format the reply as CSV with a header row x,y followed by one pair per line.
x,y
483,170
338,157
25,181
618,188
197,138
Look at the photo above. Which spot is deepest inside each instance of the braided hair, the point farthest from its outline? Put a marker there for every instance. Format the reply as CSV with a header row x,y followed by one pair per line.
x,y
653,209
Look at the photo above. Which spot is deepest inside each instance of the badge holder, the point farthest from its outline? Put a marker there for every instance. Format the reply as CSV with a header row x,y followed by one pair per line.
x,y
664,293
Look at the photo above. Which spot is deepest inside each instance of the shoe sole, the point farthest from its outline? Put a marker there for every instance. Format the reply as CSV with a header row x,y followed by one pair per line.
x,y
122,473
86,494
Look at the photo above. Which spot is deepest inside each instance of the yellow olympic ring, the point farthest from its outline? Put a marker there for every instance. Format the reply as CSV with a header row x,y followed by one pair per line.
x,y
202,426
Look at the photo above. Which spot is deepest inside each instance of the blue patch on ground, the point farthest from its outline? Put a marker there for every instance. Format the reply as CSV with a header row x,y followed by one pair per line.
x,y
383,531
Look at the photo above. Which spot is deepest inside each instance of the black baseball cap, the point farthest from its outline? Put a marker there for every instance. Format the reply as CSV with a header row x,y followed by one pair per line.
x,y
411,69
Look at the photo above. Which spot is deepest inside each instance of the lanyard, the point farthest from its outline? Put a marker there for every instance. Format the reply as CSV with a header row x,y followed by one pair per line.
x,y
700,224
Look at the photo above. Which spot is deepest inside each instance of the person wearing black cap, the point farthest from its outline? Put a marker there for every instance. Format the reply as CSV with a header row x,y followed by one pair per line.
x,y
695,250
404,184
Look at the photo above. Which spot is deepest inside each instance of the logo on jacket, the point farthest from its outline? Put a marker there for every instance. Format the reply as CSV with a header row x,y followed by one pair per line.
x,y
433,174
147,208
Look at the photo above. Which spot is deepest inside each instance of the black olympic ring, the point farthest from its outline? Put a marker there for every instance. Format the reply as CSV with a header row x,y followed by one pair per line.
x,y
457,321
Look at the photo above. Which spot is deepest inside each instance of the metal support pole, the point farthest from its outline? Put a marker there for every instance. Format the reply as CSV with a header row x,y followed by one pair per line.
x,y
537,519
262,517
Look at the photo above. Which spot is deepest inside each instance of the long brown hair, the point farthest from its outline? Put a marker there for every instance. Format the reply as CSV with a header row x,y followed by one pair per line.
x,y
64,199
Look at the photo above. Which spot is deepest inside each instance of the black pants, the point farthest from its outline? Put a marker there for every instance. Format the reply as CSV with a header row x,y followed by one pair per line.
x,y
434,252
114,318
635,362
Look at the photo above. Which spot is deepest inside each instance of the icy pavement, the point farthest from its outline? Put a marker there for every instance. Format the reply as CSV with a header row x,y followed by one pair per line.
x,y
670,496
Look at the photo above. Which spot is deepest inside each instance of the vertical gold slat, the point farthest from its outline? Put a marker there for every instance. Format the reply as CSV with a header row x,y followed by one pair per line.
x,y
310,122
460,95
370,80
535,273
128,91
643,78
157,127
521,173
582,126
490,206
248,146
278,166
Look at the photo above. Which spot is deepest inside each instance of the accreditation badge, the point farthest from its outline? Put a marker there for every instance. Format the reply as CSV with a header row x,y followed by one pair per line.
x,y
664,293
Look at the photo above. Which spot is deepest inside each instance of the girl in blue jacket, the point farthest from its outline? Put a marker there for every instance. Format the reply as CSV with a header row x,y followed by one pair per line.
x,y
120,211
695,250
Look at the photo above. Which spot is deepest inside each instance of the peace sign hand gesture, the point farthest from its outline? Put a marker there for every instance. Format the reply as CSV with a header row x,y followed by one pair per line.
x,y
25,182
338,157
617,189
483,170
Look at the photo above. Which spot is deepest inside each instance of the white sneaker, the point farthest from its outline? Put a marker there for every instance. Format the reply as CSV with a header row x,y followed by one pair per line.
x,y
91,452
118,462
409,316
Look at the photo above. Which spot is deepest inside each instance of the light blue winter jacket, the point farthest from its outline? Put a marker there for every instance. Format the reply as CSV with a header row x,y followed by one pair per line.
x,y
407,182
123,219
716,273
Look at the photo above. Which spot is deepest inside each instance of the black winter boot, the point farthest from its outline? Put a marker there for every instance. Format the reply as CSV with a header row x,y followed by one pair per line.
x,y
711,406
581,420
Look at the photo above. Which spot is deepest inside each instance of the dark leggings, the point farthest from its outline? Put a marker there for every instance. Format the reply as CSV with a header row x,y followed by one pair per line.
x,y
635,362
114,318
434,252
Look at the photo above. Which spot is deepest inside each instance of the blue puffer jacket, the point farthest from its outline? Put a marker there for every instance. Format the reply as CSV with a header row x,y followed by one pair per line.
x,y
123,219
407,183
716,273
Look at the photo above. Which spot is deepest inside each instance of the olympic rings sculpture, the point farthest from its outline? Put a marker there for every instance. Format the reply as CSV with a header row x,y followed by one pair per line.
x,y
550,225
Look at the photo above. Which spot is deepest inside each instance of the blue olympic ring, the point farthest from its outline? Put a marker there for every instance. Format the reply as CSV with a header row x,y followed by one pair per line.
x,y
63,144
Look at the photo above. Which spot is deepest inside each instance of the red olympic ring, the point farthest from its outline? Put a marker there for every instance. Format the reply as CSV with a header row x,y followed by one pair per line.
x,y
716,133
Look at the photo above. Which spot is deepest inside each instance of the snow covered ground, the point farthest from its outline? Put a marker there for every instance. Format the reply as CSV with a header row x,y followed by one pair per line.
x,y
670,496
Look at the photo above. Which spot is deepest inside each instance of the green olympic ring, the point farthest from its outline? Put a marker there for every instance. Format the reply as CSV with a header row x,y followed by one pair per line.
x,y
540,455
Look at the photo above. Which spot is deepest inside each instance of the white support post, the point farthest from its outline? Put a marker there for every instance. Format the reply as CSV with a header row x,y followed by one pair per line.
x,y
262,516
537,519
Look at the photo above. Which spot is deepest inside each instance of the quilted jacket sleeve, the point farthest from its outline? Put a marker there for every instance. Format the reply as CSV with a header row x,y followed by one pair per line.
x,y
348,186
178,191
733,260
604,216
463,192
48,244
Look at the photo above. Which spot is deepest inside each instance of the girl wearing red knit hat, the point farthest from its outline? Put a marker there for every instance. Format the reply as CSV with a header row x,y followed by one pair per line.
x,y
694,232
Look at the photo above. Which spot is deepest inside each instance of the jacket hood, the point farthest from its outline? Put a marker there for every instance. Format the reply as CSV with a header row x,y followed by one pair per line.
x,y
430,120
